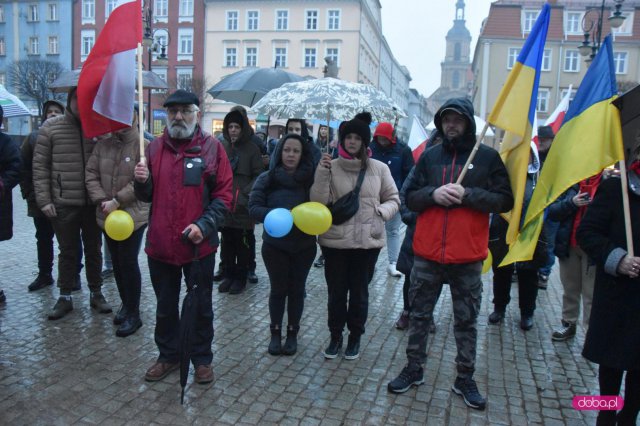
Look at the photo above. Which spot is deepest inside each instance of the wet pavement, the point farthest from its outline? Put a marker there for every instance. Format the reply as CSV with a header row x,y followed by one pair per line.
x,y
76,371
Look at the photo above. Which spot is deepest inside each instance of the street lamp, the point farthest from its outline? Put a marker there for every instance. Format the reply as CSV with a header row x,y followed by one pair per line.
x,y
592,27
155,40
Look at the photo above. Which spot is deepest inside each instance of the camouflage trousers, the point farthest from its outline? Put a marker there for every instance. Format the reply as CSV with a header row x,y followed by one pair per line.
x,y
466,293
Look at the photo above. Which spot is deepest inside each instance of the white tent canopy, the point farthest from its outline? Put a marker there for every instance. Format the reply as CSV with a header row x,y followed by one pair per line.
x,y
479,126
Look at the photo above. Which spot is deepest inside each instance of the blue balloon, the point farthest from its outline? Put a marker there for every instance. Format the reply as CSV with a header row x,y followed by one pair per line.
x,y
278,222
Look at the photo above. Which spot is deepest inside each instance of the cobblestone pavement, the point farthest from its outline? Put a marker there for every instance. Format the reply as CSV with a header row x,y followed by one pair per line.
x,y
75,371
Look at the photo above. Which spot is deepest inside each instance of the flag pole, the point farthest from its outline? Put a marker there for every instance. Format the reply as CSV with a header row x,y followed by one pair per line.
x,y
473,153
141,103
625,207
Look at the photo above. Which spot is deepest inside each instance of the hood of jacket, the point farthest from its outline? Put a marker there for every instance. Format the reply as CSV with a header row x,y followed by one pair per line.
x,y
461,106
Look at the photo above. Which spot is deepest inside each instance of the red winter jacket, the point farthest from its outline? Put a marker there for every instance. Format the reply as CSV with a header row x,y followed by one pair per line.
x,y
190,182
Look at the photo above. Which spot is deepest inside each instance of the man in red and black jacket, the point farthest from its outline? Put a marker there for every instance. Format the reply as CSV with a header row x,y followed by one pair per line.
x,y
450,241
187,178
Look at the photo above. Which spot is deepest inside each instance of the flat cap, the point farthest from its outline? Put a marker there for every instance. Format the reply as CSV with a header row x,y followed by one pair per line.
x,y
182,97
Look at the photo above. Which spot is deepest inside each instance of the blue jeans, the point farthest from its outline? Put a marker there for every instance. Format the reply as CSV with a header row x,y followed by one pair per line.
x,y
551,228
392,226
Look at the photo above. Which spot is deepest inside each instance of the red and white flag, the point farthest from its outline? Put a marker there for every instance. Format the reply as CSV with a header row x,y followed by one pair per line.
x,y
534,130
417,138
557,117
106,86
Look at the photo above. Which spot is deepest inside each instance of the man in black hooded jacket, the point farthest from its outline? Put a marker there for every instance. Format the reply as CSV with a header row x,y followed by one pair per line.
x,y
450,241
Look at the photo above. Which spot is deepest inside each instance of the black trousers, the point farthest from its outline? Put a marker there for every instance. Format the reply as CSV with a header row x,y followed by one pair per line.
x,y
167,281
348,273
288,277
610,380
527,288
44,243
126,271
236,252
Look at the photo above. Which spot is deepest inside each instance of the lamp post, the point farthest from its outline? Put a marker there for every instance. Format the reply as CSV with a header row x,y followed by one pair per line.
x,y
592,27
156,41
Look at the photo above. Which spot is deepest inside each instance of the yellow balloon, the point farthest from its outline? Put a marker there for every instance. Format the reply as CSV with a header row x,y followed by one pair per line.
x,y
118,225
486,265
312,218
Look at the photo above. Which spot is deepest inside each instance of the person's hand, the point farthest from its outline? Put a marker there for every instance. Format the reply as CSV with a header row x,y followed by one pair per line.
x,y
49,210
141,172
630,266
109,206
449,194
581,199
195,234
325,161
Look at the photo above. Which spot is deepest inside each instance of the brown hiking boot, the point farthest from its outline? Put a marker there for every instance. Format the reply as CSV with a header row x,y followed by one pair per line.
x,y
159,371
204,374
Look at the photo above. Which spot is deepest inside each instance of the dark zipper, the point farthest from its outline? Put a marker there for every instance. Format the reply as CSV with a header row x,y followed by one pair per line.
x,y
446,212
84,164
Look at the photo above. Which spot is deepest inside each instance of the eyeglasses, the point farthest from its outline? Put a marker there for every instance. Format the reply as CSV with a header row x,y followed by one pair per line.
x,y
183,111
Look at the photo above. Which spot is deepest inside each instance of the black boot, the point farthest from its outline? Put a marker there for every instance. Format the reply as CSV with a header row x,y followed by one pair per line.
x,y
275,345
130,325
291,344
42,280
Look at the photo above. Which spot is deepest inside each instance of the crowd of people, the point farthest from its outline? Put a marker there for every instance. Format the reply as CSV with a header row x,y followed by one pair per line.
x,y
192,194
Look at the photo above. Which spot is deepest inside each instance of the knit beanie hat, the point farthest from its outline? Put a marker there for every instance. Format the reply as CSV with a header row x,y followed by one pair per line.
x,y
385,130
233,117
358,127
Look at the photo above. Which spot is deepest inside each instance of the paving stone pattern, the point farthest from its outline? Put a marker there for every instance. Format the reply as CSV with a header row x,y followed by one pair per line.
x,y
76,371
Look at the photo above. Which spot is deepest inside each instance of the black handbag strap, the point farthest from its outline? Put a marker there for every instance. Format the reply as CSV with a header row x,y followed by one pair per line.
x,y
356,190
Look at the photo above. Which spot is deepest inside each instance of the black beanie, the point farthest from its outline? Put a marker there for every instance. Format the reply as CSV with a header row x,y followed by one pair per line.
x,y
233,117
358,127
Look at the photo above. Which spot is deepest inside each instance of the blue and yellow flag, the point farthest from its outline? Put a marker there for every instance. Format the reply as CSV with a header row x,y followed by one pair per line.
x,y
589,140
514,112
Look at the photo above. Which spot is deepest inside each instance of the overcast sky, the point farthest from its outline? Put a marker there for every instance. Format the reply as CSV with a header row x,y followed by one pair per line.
x,y
416,31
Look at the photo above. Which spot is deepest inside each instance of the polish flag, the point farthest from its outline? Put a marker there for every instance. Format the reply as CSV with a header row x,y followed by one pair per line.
x,y
534,131
418,138
106,86
557,117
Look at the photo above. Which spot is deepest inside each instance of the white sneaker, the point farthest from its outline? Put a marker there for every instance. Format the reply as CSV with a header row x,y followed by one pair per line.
x,y
391,270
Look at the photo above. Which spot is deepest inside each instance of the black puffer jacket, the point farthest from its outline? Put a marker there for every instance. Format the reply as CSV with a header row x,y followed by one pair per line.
x,y
9,177
278,189
564,211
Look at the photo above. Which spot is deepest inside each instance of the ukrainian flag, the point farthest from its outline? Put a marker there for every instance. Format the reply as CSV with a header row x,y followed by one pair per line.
x,y
514,112
589,140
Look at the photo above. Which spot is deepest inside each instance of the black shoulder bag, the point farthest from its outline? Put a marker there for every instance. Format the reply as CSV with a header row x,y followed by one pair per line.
x,y
346,206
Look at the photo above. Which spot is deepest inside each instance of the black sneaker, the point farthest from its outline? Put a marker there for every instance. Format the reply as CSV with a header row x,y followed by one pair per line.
x,y
408,377
543,281
466,387
252,277
219,275
353,348
334,347
566,332
320,262
496,317
237,286
225,285
41,281
3,298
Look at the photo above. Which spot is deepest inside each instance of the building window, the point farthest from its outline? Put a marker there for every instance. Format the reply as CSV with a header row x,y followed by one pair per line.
x,y
34,46
627,25
546,60
620,62
457,52
572,23
282,20
333,19
251,57
571,61
232,20
88,38
162,73
161,9
53,45
109,6
253,18
3,47
512,57
528,19
542,104
33,13
312,20
564,93
310,54
88,10
455,83
333,53
53,12
185,41
160,38
231,57
281,57
186,8
184,77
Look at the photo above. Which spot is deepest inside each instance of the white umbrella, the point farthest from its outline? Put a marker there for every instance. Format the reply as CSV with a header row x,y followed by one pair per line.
x,y
327,98
11,105
479,126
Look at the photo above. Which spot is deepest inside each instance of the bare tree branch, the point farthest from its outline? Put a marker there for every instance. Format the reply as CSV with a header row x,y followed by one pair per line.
x,y
31,77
